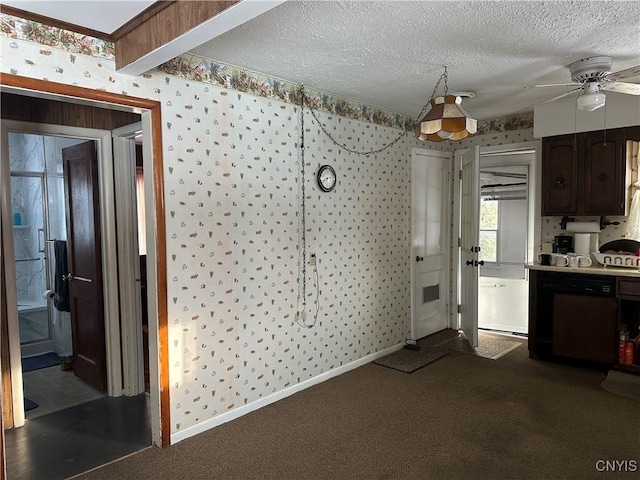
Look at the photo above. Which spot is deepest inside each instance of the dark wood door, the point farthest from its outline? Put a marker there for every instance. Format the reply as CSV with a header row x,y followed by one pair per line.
x,y
604,171
80,166
585,327
559,175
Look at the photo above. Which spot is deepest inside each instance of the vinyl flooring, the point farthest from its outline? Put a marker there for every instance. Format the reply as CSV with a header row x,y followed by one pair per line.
x,y
76,439
53,389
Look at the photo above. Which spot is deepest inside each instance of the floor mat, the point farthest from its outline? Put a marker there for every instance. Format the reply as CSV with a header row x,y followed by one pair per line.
x,y
409,361
489,346
620,383
40,361
29,405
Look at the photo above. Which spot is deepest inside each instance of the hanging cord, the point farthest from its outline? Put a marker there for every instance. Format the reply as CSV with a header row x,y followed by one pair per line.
x,y
304,100
302,294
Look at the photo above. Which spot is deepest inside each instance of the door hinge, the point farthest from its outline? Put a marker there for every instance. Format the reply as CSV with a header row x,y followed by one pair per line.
x,y
459,308
460,175
459,241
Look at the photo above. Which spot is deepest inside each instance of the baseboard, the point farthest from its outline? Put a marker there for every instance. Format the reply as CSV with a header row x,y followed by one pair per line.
x,y
274,397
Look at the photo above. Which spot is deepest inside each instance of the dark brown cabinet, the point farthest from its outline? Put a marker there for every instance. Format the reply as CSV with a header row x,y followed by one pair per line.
x,y
585,173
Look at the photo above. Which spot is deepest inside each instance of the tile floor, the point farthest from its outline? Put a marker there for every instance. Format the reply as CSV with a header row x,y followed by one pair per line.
x,y
54,389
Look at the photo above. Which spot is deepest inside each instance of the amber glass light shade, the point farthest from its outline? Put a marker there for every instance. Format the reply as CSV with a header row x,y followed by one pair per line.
x,y
446,120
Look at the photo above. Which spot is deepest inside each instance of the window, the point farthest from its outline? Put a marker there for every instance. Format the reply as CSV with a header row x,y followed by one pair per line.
x,y
489,213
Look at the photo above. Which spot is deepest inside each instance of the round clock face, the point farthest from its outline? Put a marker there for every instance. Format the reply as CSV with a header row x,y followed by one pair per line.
x,y
326,178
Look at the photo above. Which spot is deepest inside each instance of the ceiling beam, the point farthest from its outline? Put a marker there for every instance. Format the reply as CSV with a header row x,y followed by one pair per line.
x,y
180,27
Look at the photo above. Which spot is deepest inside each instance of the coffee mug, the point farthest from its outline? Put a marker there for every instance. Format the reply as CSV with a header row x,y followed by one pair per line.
x,y
560,260
584,261
545,259
574,260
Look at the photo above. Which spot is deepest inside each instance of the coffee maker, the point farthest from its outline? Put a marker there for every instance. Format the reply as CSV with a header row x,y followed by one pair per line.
x,y
563,244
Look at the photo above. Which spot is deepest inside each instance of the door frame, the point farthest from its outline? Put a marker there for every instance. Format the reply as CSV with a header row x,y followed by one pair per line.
x,y
124,162
108,254
447,248
150,111
534,213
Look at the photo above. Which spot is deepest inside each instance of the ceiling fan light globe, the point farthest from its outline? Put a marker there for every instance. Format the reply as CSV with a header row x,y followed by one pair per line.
x,y
591,101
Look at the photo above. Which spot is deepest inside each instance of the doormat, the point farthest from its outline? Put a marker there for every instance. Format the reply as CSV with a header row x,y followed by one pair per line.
x,y
29,405
620,383
40,361
409,361
489,346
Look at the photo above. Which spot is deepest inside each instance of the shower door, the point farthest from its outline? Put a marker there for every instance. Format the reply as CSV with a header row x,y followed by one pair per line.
x,y
32,273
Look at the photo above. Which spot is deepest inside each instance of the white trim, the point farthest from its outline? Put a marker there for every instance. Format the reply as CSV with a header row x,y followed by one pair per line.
x,y
13,328
221,23
124,162
268,400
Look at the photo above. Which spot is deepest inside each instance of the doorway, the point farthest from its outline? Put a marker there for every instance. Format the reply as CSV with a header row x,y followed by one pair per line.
x,y
503,294
44,320
69,98
477,261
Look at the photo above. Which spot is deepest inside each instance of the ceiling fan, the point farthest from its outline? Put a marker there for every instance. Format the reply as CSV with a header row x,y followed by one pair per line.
x,y
592,77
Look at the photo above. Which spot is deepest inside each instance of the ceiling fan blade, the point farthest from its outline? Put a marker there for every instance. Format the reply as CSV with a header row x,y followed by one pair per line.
x,y
560,96
622,87
573,84
626,73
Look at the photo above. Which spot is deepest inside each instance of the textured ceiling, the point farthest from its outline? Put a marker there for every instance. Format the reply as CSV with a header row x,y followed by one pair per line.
x,y
390,53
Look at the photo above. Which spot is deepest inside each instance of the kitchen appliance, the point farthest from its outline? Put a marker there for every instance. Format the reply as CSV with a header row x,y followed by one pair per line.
x,y
585,243
563,244
576,316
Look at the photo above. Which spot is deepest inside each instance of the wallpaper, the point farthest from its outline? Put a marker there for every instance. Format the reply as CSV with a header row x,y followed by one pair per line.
x,y
233,195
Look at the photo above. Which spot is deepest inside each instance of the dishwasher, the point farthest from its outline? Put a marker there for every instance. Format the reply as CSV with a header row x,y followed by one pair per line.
x,y
577,317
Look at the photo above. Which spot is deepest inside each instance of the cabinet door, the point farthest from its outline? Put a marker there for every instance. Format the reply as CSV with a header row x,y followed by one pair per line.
x,y
585,327
559,175
604,172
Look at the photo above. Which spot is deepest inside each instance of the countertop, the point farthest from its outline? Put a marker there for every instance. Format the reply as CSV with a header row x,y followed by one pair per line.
x,y
595,269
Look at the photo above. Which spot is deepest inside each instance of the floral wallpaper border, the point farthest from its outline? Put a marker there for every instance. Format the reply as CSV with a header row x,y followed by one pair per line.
x,y
196,68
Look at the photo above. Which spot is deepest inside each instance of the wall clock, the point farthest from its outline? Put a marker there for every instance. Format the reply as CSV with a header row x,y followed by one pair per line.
x,y
326,178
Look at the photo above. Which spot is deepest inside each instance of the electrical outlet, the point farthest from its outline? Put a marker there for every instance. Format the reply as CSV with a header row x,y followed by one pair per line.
x,y
312,258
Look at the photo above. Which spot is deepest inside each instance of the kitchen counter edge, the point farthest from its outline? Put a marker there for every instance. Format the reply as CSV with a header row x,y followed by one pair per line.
x,y
593,270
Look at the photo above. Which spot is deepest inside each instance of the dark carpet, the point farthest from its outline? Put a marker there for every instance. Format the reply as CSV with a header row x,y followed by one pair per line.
x,y
40,361
409,361
463,417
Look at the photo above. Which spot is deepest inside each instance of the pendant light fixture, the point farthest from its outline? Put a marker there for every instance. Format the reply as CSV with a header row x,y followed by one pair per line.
x,y
446,119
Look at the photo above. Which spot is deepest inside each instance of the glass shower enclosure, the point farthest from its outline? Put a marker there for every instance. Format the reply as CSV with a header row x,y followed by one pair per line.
x,y
38,208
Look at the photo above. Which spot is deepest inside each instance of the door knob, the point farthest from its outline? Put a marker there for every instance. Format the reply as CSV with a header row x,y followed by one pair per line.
x,y
469,262
419,258
481,263
67,278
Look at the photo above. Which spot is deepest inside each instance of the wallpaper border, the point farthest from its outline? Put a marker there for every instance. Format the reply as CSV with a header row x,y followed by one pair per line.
x,y
201,69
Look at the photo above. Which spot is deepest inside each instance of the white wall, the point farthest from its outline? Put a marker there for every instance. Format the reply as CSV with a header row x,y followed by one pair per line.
x,y
561,116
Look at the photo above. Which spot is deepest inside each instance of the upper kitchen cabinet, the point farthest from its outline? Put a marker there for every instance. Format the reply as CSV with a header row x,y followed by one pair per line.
x,y
585,173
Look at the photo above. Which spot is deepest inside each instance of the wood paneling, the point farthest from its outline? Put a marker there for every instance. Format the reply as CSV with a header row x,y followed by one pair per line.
x,y
33,109
163,27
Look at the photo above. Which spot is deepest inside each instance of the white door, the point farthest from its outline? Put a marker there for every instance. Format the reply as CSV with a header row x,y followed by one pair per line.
x,y
430,200
469,243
